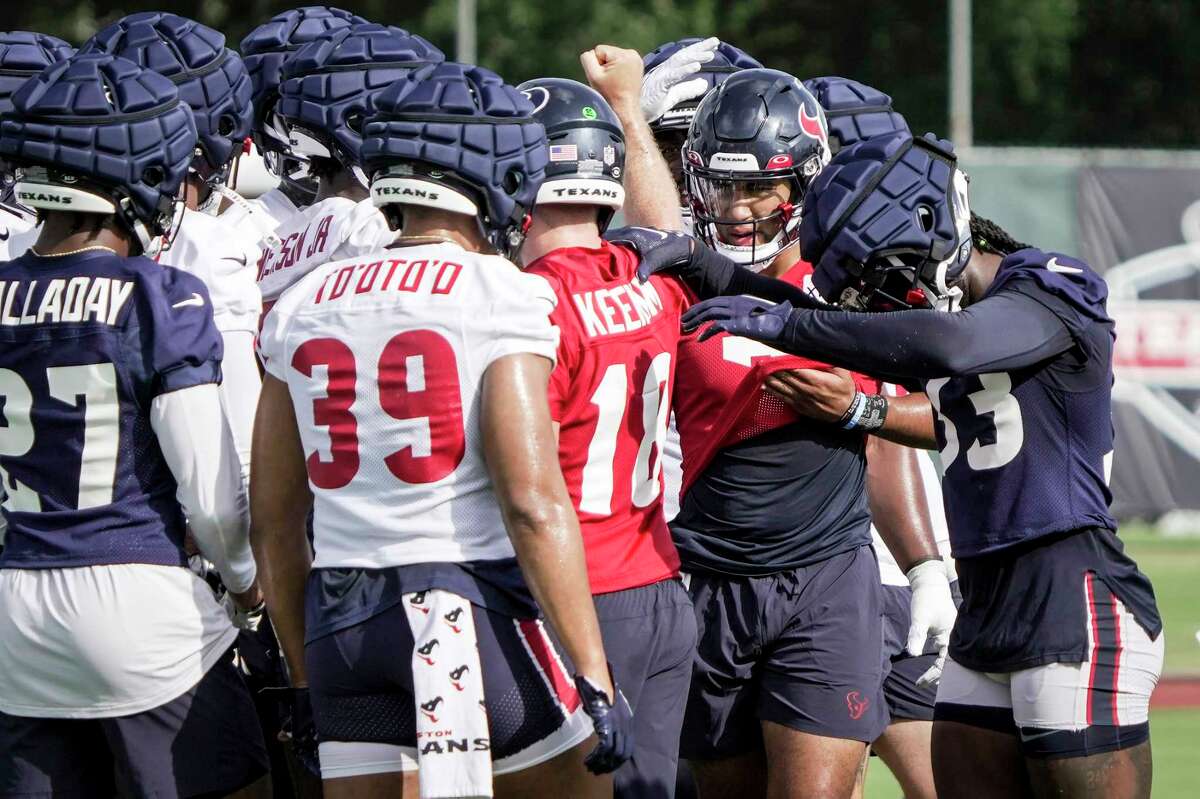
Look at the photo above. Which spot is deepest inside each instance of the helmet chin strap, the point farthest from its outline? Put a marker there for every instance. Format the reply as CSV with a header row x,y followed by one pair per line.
x,y
757,257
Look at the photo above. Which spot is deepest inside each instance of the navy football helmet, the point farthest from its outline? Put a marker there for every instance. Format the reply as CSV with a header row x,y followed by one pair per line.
x,y
758,127
726,60
887,225
854,111
330,86
212,79
99,134
587,145
264,51
23,54
459,139
670,130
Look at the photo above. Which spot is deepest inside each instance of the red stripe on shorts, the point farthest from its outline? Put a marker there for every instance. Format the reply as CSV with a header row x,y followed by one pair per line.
x,y
562,686
1095,655
1116,662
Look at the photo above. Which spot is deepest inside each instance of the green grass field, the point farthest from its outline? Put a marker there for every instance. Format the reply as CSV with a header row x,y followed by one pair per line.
x,y
1173,565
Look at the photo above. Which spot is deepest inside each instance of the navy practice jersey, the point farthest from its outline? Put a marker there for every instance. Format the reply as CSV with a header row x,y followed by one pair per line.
x,y
87,341
1021,383
1026,449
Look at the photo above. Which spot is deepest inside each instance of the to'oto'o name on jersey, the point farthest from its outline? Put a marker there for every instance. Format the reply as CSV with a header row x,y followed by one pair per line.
x,y
611,395
330,230
384,356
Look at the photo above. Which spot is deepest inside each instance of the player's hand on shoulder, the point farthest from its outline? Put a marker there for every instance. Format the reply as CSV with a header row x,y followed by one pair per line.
x,y
615,72
821,394
668,84
658,250
612,721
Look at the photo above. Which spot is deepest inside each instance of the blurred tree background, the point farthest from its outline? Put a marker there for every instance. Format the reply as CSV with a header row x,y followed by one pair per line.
x,y
1046,72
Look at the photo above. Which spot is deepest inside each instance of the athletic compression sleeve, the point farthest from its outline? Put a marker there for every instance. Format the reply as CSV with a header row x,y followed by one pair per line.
x,y
240,387
1002,332
198,445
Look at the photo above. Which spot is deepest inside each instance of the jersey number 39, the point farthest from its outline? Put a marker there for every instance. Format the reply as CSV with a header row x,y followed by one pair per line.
x,y
418,383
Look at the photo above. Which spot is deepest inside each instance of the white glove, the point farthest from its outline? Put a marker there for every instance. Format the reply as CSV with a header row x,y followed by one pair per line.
x,y
665,87
933,614
243,619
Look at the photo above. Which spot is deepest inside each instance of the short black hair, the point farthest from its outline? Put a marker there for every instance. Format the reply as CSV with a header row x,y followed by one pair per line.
x,y
987,236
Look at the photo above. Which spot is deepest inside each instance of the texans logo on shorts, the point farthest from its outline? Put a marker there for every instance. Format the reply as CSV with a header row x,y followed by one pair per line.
x,y
428,707
456,675
856,704
426,650
418,600
452,617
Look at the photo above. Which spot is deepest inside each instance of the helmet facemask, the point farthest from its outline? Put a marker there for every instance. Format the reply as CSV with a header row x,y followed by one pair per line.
x,y
724,205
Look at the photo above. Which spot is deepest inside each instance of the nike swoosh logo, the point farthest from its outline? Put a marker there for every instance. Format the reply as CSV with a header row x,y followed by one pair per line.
x,y
195,299
1036,735
5,236
1054,266
241,260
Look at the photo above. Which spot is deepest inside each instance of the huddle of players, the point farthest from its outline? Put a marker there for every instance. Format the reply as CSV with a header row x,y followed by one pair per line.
x,y
472,439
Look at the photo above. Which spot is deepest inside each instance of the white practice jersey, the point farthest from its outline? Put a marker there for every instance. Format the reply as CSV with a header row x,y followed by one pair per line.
x,y
18,231
224,258
330,230
384,356
262,215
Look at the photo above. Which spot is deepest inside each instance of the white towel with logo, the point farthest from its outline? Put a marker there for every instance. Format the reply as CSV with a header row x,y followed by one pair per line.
x,y
454,759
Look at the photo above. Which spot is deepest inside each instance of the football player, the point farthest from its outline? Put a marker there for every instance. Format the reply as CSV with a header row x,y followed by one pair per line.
x,y
1058,643
406,404
774,521
213,82
610,394
677,76
264,50
22,55
856,112
328,90
115,668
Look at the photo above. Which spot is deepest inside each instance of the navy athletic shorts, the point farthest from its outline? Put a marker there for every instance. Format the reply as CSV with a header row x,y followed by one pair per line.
x,y
802,648
361,683
1058,642
650,639
206,742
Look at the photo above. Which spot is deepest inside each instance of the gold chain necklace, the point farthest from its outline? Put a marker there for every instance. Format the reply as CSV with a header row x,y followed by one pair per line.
x,y
72,252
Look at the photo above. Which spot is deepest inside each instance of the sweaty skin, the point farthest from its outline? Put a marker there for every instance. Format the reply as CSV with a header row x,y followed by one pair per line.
x,y
651,199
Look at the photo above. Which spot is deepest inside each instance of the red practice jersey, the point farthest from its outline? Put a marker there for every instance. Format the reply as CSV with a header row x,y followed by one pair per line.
x,y
721,400
610,393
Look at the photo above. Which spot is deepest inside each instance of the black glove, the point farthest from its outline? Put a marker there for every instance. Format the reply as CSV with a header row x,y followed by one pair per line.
x,y
659,250
613,722
302,730
739,316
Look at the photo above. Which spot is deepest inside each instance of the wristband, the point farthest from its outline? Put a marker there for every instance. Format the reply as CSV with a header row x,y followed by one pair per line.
x,y
850,418
874,413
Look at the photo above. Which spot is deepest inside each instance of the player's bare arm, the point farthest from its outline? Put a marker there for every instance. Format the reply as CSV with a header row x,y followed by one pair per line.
x,y
898,507
523,461
279,505
651,198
